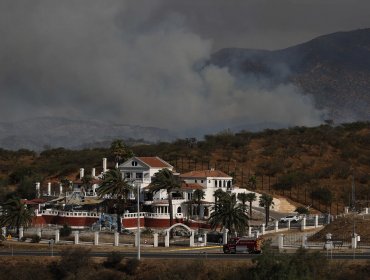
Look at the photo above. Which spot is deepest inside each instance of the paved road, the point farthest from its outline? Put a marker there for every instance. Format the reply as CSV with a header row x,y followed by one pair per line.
x,y
179,255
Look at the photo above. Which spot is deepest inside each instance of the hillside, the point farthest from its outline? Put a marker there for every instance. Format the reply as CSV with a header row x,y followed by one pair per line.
x,y
334,68
312,166
45,133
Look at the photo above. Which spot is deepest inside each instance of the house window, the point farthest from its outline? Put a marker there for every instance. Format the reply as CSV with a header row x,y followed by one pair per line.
x,y
139,175
201,181
127,175
134,163
178,209
195,181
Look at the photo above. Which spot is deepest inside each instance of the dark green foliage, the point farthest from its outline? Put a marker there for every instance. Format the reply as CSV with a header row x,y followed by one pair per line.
x,y
113,260
131,266
302,210
65,231
323,194
35,239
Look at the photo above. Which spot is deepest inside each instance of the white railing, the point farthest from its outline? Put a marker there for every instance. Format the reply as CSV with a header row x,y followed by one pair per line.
x,y
134,215
68,214
157,215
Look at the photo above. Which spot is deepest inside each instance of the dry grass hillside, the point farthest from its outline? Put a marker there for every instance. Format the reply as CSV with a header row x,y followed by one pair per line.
x,y
311,166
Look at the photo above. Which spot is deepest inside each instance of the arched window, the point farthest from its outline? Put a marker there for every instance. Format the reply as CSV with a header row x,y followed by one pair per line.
x,y
179,209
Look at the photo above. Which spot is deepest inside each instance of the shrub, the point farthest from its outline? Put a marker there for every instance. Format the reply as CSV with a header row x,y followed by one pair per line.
x,y
302,210
131,266
35,239
113,260
65,231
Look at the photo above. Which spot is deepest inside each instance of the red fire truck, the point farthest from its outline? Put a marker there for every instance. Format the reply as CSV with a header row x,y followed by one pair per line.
x,y
249,245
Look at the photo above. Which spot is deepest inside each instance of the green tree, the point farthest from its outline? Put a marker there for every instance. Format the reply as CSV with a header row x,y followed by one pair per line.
x,y
250,198
243,199
120,151
164,179
266,201
229,214
16,214
115,186
252,182
86,182
198,195
219,194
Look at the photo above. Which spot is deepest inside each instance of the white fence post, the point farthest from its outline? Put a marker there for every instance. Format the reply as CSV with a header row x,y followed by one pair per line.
x,y
116,238
304,241
192,238
281,241
354,241
288,224
20,233
316,221
263,229
38,232
155,239
57,235
205,239
225,231
276,226
303,223
167,239
3,231
96,238
249,231
77,237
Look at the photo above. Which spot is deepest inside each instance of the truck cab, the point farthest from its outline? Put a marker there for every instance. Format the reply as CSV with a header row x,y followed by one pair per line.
x,y
249,245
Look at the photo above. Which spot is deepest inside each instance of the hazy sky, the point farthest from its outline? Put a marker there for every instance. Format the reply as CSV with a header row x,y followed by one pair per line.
x,y
139,62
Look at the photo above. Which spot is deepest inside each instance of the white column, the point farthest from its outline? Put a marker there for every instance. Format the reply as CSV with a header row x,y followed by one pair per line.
x,y
49,189
288,224
3,231
281,241
263,229
249,231
60,189
38,232
316,221
276,226
366,210
225,231
82,173
167,239
104,165
192,233
205,239
304,240
96,238
38,189
303,223
20,233
93,172
346,210
57,235
354,241
77,236
116,238
155,239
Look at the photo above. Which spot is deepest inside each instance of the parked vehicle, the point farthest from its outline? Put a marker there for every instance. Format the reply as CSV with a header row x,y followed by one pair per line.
x,y
249,245
291,218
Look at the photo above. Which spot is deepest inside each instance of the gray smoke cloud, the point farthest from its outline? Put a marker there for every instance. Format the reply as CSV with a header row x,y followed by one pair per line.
x,y
121,61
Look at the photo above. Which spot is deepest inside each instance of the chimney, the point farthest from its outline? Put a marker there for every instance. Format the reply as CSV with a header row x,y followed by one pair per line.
x,y
104,165
82,173
93,172
49,189
38,189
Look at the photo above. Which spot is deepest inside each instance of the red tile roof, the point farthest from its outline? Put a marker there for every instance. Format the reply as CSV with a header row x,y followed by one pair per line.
x,y
204,174
191,186
155,162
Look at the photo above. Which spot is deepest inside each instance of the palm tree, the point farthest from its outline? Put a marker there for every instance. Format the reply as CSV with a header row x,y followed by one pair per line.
x,y
120,151
219,195
86,182
252,182
250,198
164,179
229,214
243,198
198,195
118,188
266,201
16,214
